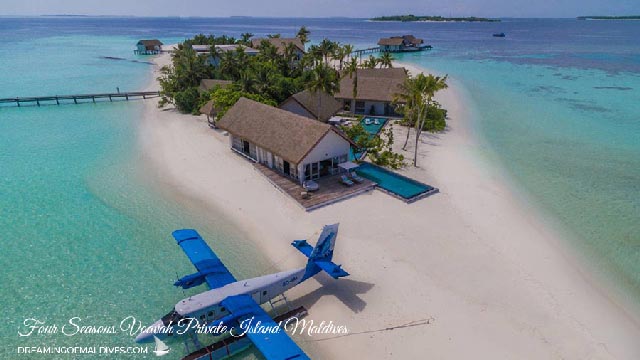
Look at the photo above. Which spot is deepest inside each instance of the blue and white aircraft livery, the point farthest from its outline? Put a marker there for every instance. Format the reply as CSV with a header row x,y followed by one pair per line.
x,y
231,302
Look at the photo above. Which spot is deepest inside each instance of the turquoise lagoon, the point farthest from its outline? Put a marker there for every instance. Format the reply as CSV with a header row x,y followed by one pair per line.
x,y
570,138
86,232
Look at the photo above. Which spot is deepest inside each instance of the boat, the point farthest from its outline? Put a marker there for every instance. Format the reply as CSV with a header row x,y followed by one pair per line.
x,y
499,35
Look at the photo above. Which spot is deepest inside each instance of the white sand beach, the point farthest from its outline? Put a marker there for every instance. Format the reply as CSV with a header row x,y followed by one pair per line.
x,y
471,266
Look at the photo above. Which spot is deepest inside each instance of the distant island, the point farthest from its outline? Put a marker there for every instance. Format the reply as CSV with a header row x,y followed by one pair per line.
x,y
631,17
408,18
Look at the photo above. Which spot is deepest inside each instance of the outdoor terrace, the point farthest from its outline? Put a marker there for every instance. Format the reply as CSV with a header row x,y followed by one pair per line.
x,y
331,189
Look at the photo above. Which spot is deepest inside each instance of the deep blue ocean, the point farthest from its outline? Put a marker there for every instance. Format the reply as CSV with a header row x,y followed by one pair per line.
x,y
556,104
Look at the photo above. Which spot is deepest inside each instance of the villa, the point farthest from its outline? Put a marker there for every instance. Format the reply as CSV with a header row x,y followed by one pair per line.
x,y
307,103
281,45
295,146
376,89
148,47
402,43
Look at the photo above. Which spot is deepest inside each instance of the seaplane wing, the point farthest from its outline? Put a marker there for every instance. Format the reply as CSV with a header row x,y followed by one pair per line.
x,y
273,346
210,269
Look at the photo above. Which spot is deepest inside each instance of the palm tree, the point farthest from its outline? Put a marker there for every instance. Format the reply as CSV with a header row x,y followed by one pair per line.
x,y
323,79
407,102
326,48
386,60
303,35
348,49
290,54
370,63
417,94
352,71
246,37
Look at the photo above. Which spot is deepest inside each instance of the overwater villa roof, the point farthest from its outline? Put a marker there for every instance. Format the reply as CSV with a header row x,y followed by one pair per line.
x,y
399,40
412,39
281,132
309,101
150,43
279,43
208,84
373,84
392,41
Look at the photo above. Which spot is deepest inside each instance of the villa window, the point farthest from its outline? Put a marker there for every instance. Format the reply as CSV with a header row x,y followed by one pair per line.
x,y
360,107
312,171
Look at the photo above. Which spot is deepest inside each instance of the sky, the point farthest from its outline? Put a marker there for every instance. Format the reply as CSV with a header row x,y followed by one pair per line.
x,y
323,8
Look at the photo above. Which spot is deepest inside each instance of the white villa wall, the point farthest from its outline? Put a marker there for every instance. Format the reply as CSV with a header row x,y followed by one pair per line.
x,y
330,146
377,105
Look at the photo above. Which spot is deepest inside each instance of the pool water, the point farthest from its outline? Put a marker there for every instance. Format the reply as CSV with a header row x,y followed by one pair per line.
x,y
393,182
369,124
372,128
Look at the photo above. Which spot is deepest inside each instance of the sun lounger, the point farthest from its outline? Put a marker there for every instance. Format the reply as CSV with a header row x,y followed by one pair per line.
x,y
356,177
367,121
345,180
376,122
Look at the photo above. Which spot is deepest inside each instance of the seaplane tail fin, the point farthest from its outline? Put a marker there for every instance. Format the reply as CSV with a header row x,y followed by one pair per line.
x,y
321,255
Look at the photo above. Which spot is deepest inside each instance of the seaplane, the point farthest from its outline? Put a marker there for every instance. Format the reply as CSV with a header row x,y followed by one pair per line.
x,y
232,302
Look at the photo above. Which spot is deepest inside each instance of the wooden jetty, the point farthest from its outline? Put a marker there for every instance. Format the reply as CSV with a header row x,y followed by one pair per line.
x,y
61,99
370,50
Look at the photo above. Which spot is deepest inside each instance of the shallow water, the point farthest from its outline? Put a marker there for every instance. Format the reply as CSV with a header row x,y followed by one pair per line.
x,y
86,233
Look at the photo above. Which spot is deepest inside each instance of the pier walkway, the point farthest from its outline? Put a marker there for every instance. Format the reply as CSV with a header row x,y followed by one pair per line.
x,y
62,99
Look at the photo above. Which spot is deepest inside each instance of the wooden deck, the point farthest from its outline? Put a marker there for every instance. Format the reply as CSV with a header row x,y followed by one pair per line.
x,y
331,189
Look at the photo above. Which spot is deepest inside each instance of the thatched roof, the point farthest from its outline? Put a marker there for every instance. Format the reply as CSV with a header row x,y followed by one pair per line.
x,y
309,101
208,109
150,43
400,40
208,84
279,43
281,132
412,39
391,41
373,84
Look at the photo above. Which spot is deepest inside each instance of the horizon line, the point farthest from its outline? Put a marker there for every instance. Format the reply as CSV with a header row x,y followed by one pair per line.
x,y
279,17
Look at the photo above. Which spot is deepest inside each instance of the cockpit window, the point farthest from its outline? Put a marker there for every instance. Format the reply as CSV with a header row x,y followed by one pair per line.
x,y
172,318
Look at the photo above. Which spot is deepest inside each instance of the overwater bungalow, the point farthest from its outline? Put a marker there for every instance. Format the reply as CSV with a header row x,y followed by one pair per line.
x,y
307,103
405,43
148,47
375,91
292,145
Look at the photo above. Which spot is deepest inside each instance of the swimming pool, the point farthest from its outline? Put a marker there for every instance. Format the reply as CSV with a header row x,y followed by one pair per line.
x,y
373,125
369,124
394,183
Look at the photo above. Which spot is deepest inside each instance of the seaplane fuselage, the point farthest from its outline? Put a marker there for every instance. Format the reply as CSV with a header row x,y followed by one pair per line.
x,y
206,308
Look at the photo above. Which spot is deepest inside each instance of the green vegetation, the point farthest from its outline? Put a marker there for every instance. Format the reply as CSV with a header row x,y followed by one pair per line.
x,y
379,148
629,17
408,18
415,101
269,77
224,98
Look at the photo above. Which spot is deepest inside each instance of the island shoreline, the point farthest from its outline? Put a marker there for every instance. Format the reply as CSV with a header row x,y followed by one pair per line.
x,y
395,282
